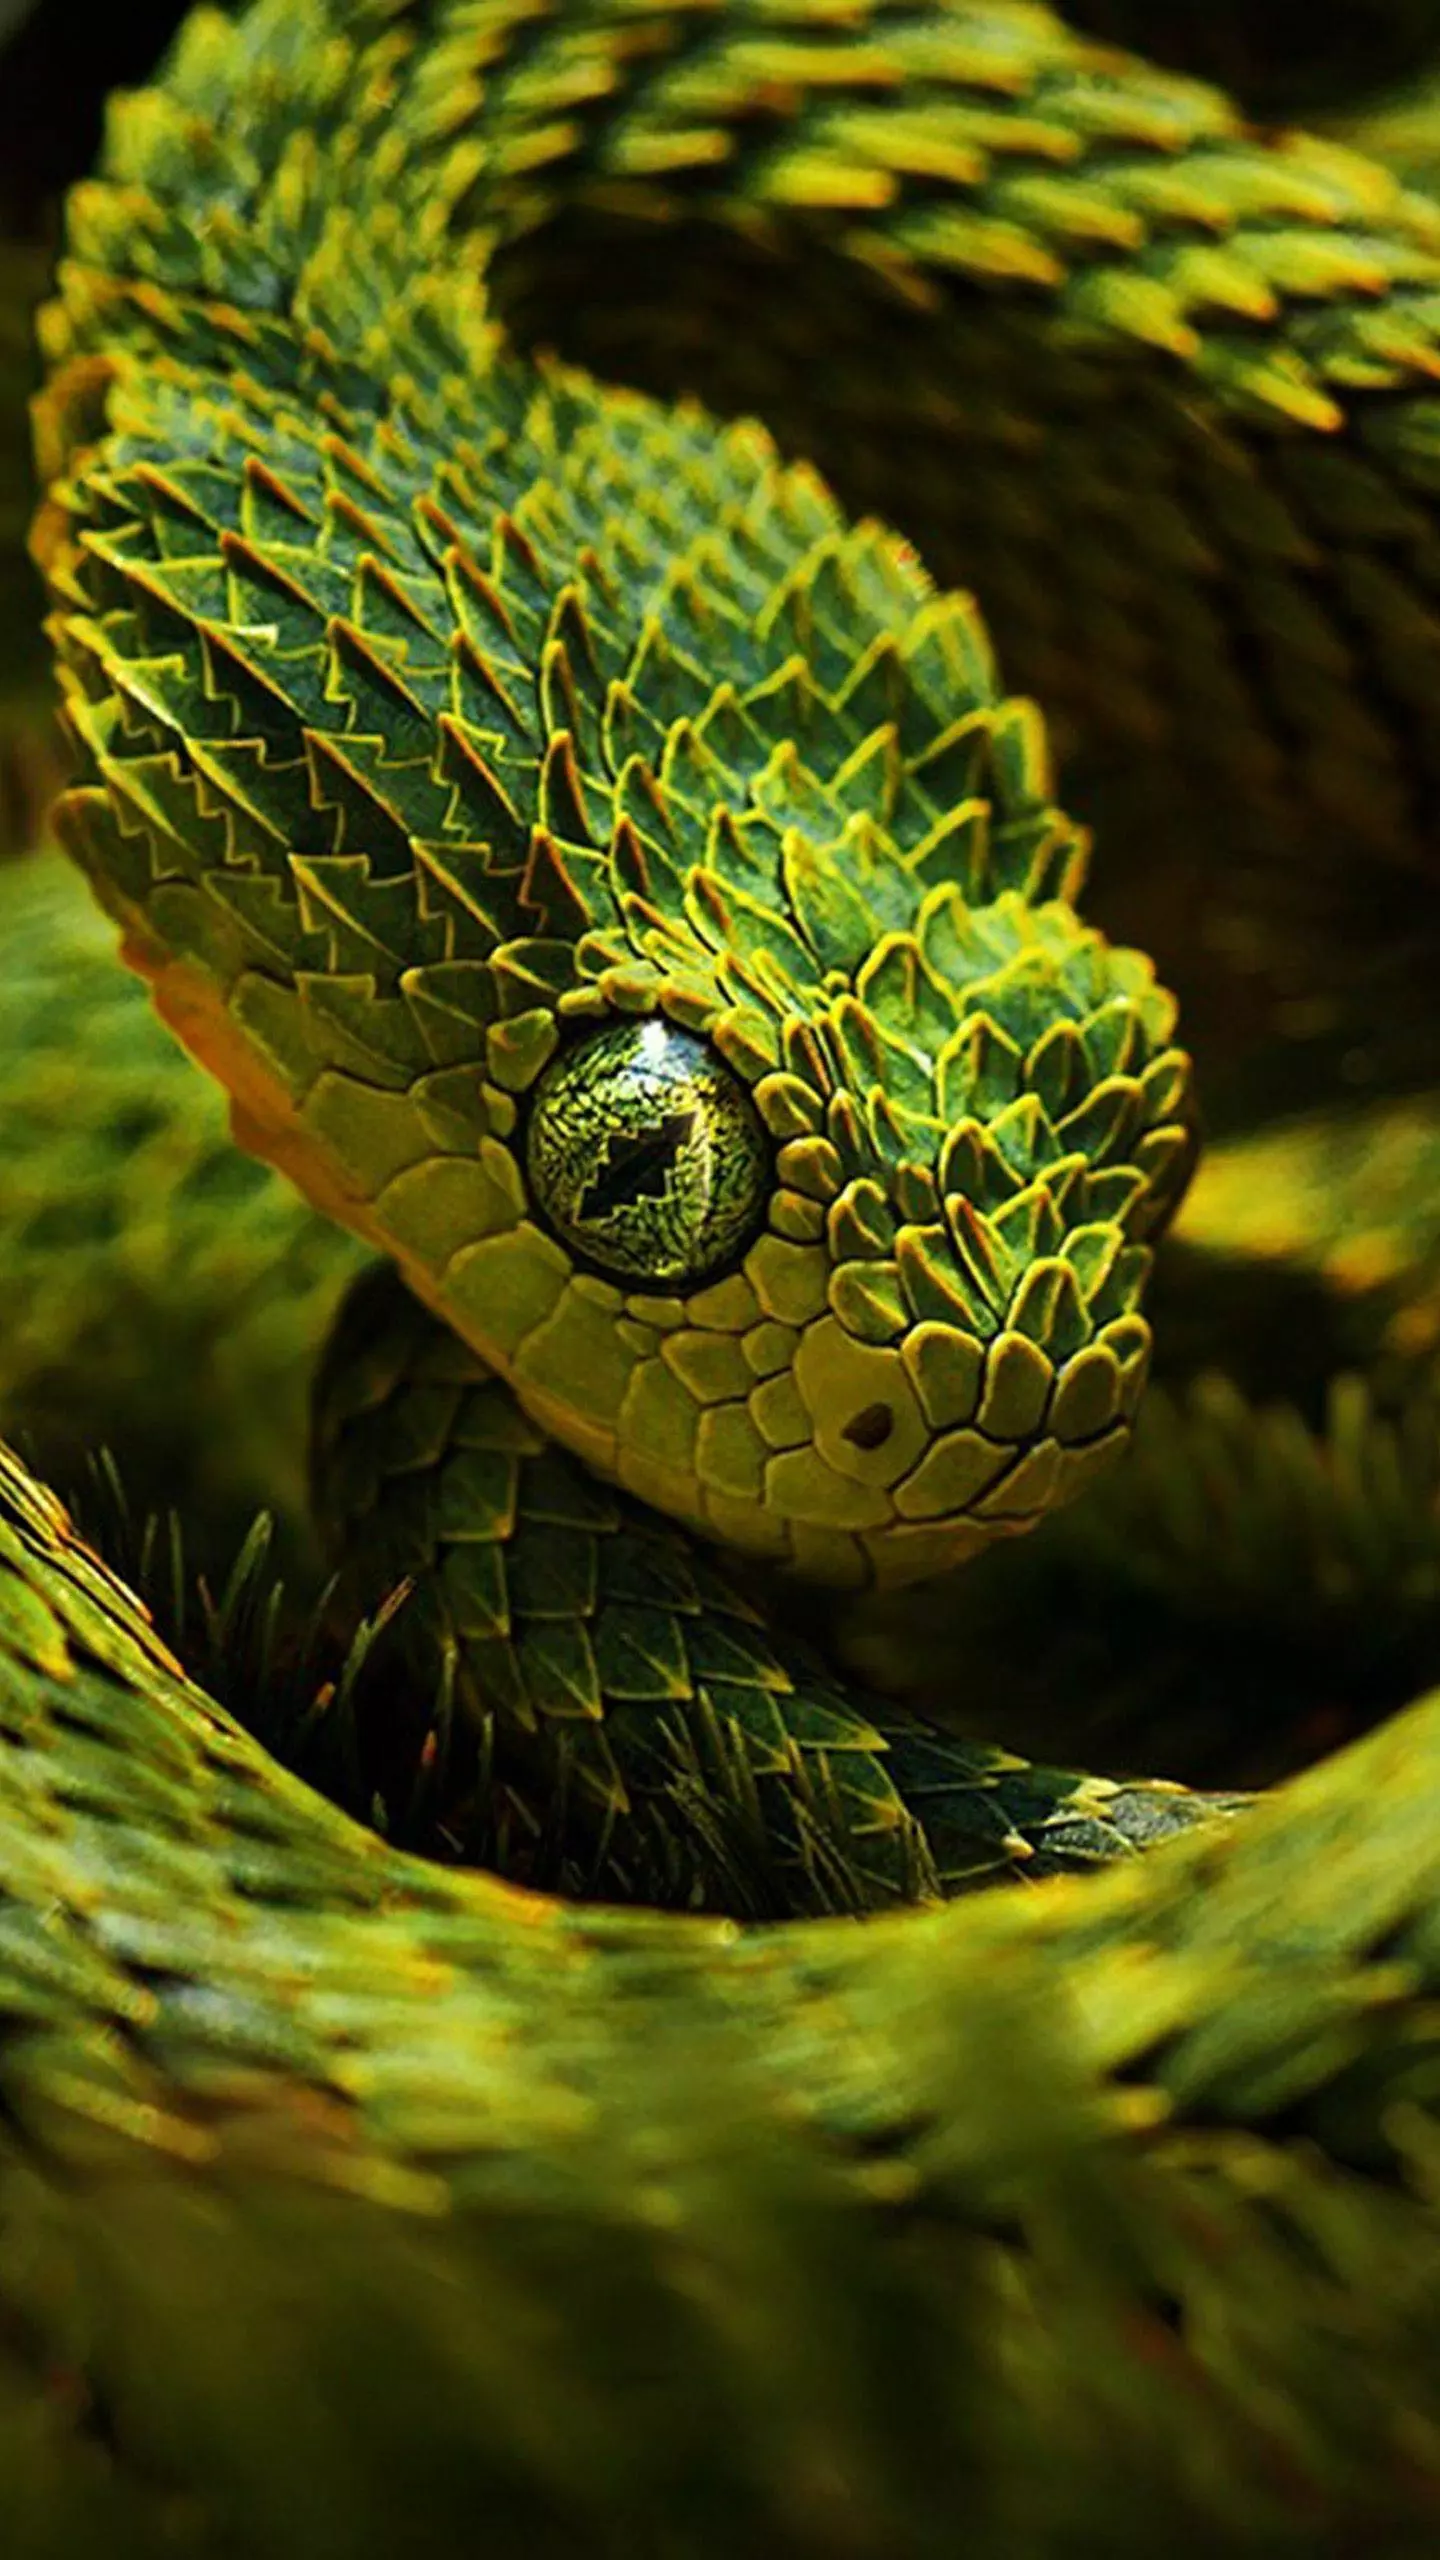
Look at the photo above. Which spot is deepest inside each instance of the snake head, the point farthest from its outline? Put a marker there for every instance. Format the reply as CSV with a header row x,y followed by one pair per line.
x,y
864,1274
721,1054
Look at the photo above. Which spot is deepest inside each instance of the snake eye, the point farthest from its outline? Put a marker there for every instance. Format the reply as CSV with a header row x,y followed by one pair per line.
x,y
646,1156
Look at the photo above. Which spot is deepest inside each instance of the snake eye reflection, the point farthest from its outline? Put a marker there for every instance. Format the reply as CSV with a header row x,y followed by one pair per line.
x,y
647,1156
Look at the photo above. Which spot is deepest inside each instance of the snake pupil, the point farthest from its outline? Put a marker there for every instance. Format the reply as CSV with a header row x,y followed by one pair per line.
x,y
636,1168
646,1155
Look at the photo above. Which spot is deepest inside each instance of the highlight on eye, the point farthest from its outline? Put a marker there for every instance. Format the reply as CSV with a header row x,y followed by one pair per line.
x,y
647,1157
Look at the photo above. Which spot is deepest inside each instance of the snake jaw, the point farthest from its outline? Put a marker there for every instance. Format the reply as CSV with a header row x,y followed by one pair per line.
x,y
844,1404
915,1357
934,1339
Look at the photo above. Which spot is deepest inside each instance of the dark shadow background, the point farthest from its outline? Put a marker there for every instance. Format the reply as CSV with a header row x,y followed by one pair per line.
x,y
56,69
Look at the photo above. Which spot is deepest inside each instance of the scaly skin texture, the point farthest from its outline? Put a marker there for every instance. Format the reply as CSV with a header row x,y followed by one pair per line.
x,y
437,708
444,710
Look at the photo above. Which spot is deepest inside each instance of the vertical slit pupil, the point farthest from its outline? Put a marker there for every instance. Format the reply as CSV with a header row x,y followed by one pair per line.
x,y
635,1165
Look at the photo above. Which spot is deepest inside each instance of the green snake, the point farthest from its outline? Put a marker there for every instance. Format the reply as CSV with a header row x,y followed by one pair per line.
x,y
614,883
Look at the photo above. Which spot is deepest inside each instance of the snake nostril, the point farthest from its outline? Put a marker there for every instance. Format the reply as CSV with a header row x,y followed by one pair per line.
x,y
869,1429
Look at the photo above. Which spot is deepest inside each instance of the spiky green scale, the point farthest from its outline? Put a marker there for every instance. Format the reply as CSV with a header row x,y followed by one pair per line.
x,y
438,709
628,1630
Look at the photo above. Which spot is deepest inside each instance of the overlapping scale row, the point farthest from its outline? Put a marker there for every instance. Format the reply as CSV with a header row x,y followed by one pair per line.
x,y
575,1655
980,141
589,1640
1224,343
439,703
409,760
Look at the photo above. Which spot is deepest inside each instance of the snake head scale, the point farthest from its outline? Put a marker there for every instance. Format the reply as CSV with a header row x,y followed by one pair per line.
x,y
622,890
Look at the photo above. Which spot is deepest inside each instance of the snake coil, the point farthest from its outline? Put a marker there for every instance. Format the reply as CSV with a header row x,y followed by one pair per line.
x,y
617,886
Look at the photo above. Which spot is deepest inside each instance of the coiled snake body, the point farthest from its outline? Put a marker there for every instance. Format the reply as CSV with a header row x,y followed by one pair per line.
x,y
618,887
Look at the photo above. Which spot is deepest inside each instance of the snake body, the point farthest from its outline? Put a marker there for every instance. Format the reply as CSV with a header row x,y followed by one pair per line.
x,y
618,888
